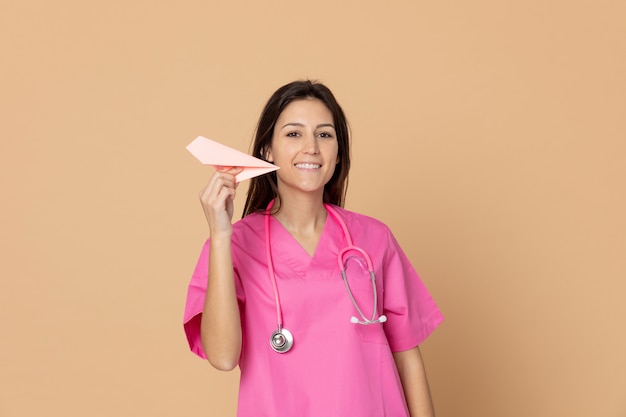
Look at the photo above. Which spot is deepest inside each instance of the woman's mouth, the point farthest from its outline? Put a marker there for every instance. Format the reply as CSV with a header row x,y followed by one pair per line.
x,y
306,165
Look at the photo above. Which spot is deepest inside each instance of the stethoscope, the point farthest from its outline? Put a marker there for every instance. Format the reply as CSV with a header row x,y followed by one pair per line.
x,y
282,339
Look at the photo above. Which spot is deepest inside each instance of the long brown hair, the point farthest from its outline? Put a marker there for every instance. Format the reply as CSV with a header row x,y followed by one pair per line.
x,y
264,188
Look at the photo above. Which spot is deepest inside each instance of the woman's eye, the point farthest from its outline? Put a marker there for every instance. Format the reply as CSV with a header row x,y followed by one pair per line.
x,y
292,134
325,135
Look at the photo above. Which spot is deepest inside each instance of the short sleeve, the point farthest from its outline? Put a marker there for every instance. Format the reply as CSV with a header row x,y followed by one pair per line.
x,y
196,293
412,314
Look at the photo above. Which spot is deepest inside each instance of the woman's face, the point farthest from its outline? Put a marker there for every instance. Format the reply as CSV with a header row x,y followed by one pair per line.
x,y
304,146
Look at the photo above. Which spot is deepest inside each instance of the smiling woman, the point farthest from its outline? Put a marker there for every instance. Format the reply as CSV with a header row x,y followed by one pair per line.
x,y
285,263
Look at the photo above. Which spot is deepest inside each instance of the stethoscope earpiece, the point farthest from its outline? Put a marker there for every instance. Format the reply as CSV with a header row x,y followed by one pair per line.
x,y
381,319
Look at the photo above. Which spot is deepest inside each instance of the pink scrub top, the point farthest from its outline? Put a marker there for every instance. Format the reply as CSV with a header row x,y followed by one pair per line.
x,y
335,368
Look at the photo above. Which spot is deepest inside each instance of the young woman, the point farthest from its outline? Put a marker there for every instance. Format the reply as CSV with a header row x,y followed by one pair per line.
x,y
286,293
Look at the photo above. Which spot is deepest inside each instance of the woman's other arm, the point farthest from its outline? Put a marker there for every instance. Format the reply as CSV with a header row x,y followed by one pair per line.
x,y
414,382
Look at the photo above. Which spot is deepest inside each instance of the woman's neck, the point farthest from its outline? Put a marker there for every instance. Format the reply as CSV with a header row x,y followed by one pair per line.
x,y
301,215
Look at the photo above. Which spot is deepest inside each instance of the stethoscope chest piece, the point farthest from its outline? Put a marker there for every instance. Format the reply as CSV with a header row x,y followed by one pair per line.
x,y
281,340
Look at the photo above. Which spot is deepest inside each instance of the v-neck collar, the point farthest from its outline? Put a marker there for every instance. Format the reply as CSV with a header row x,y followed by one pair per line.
x,y
288,250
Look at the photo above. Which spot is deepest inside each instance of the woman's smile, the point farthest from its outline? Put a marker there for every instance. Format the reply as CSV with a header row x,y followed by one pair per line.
x,y
307,166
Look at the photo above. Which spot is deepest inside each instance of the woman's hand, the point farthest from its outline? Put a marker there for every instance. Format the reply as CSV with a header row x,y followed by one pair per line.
x,y
217,199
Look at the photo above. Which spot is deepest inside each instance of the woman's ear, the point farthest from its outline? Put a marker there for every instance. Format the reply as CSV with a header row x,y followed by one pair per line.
x,y
268,156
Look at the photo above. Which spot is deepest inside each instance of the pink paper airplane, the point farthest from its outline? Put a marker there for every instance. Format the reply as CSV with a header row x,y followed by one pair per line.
x,y
213,153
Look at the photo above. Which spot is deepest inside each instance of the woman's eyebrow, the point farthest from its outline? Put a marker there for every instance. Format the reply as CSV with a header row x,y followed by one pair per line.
x,y
293,124
302,125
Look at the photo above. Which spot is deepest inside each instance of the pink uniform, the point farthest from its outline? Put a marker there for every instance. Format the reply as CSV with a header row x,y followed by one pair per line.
x,y
335,368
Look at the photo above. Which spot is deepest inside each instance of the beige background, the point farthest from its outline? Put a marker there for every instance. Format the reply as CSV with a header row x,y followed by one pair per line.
x,y
490,136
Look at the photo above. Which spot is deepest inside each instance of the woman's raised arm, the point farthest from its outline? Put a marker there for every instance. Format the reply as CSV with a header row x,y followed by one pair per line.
x,y
221,323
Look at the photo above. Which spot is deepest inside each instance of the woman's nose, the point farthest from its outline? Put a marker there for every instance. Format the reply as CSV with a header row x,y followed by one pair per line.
x,y
310,144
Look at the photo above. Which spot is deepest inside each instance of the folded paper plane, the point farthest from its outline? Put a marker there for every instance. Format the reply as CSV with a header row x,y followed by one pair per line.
x,y
213,153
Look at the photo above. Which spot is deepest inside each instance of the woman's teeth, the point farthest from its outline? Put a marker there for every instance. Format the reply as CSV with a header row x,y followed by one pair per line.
x,y
308,166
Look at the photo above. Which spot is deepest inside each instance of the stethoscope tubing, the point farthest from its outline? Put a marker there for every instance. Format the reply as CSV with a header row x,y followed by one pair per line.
x,y
282,340
270,266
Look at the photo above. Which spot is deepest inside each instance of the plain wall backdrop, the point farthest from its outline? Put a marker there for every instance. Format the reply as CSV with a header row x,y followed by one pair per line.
x,y
489,135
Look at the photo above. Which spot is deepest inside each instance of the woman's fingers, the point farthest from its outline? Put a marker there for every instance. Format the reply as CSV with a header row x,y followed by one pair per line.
x,y
224,177
217,198
229,169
